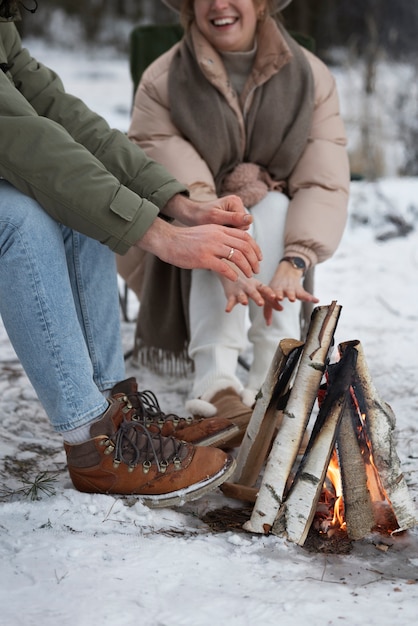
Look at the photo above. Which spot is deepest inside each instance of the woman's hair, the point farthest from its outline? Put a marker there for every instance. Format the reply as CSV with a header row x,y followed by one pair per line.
x,y
8,8
5,9
187,10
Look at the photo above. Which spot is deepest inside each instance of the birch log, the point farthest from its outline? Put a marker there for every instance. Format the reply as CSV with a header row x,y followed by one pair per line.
x,y
263,422
295,418
380,421
299,507
357,502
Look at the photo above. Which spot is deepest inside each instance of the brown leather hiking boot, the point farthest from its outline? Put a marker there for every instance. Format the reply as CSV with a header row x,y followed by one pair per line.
x,y
124,457
198,431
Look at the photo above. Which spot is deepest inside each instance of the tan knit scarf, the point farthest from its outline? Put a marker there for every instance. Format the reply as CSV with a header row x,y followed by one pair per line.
x,y
277,124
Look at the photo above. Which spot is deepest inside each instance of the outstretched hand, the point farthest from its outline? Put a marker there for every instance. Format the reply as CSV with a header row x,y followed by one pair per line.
x,y
245,289
203,247
285,284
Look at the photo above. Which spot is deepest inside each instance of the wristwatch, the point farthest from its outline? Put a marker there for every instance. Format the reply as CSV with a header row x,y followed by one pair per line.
x,y
296,262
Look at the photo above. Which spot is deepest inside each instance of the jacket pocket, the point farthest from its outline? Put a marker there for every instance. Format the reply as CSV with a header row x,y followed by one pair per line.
x,y
125,204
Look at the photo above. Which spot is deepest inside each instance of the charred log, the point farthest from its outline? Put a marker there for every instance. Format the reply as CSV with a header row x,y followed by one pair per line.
x,y
381,424
300,504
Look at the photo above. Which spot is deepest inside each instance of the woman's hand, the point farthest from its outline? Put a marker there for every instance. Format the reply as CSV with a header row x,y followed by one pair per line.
x,y
286,283
243,289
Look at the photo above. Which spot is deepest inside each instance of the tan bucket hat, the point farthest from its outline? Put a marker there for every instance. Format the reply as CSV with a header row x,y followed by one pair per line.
x,y
176,4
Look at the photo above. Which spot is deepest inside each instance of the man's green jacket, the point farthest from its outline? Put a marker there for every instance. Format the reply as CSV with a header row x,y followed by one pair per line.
x,y
55,149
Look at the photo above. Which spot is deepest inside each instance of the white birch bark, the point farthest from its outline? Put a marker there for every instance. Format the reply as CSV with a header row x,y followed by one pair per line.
x,y
263,422
295,418
358,508
381,421
298,510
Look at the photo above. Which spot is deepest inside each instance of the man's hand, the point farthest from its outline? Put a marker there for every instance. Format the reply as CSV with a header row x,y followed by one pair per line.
x,y
203,247
227,211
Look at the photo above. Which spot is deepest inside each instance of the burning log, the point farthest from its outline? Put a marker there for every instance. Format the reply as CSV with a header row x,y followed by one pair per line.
x,y
300,504
358,510
295,418
380,426
349,481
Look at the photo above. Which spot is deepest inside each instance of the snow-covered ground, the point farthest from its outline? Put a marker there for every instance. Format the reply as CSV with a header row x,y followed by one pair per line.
x,y
77,559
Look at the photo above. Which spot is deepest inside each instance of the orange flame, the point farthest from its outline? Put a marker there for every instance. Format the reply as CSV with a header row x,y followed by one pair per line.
x,y
330,514
334,476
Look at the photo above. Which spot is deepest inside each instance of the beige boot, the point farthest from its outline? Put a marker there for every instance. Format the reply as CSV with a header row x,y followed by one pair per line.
x,y
229,406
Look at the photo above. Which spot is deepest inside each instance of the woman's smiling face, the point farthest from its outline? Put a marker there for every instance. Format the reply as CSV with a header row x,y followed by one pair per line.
x,y
229,25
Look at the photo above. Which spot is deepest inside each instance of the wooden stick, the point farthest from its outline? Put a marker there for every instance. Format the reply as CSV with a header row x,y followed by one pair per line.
x,y
381,421
295,418
239,492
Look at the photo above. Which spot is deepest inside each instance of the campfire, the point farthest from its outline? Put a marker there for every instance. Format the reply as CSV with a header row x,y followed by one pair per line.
x,y
349,479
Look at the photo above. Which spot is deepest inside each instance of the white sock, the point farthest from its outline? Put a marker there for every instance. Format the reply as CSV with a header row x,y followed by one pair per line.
x,y
81,433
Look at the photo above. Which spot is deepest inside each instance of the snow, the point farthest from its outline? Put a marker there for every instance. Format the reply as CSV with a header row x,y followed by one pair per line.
x,y
73,558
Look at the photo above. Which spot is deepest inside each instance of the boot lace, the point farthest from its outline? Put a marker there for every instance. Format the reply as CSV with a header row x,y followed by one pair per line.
x,y
149,410
133,444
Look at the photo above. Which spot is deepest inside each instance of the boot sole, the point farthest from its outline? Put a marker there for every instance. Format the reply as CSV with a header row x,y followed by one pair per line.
x,y
219,438
177,498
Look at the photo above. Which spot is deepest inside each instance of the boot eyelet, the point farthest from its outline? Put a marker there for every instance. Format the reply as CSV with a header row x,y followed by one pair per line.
x,y
126,400
146,466
163,466
110,447
177,463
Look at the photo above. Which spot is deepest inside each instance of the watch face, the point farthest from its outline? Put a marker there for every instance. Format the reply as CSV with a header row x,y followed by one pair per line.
x,y
298,262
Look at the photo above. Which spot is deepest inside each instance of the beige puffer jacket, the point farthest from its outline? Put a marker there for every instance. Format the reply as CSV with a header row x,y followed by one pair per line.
x,y
319,184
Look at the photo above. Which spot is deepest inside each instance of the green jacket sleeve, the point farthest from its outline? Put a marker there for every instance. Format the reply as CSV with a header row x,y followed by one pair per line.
x,y
56,150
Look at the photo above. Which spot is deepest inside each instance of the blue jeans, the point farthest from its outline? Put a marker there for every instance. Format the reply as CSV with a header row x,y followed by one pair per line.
x,y
60,307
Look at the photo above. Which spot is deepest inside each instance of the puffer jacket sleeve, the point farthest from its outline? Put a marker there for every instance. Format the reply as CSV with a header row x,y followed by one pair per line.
x,y
319,184
56,150
152,129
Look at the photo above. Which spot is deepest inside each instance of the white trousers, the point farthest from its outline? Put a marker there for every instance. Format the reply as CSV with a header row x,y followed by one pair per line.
x,y
218,338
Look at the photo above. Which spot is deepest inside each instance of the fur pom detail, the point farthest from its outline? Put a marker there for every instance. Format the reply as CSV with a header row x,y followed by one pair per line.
x,y
200,407
246,181
248,397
